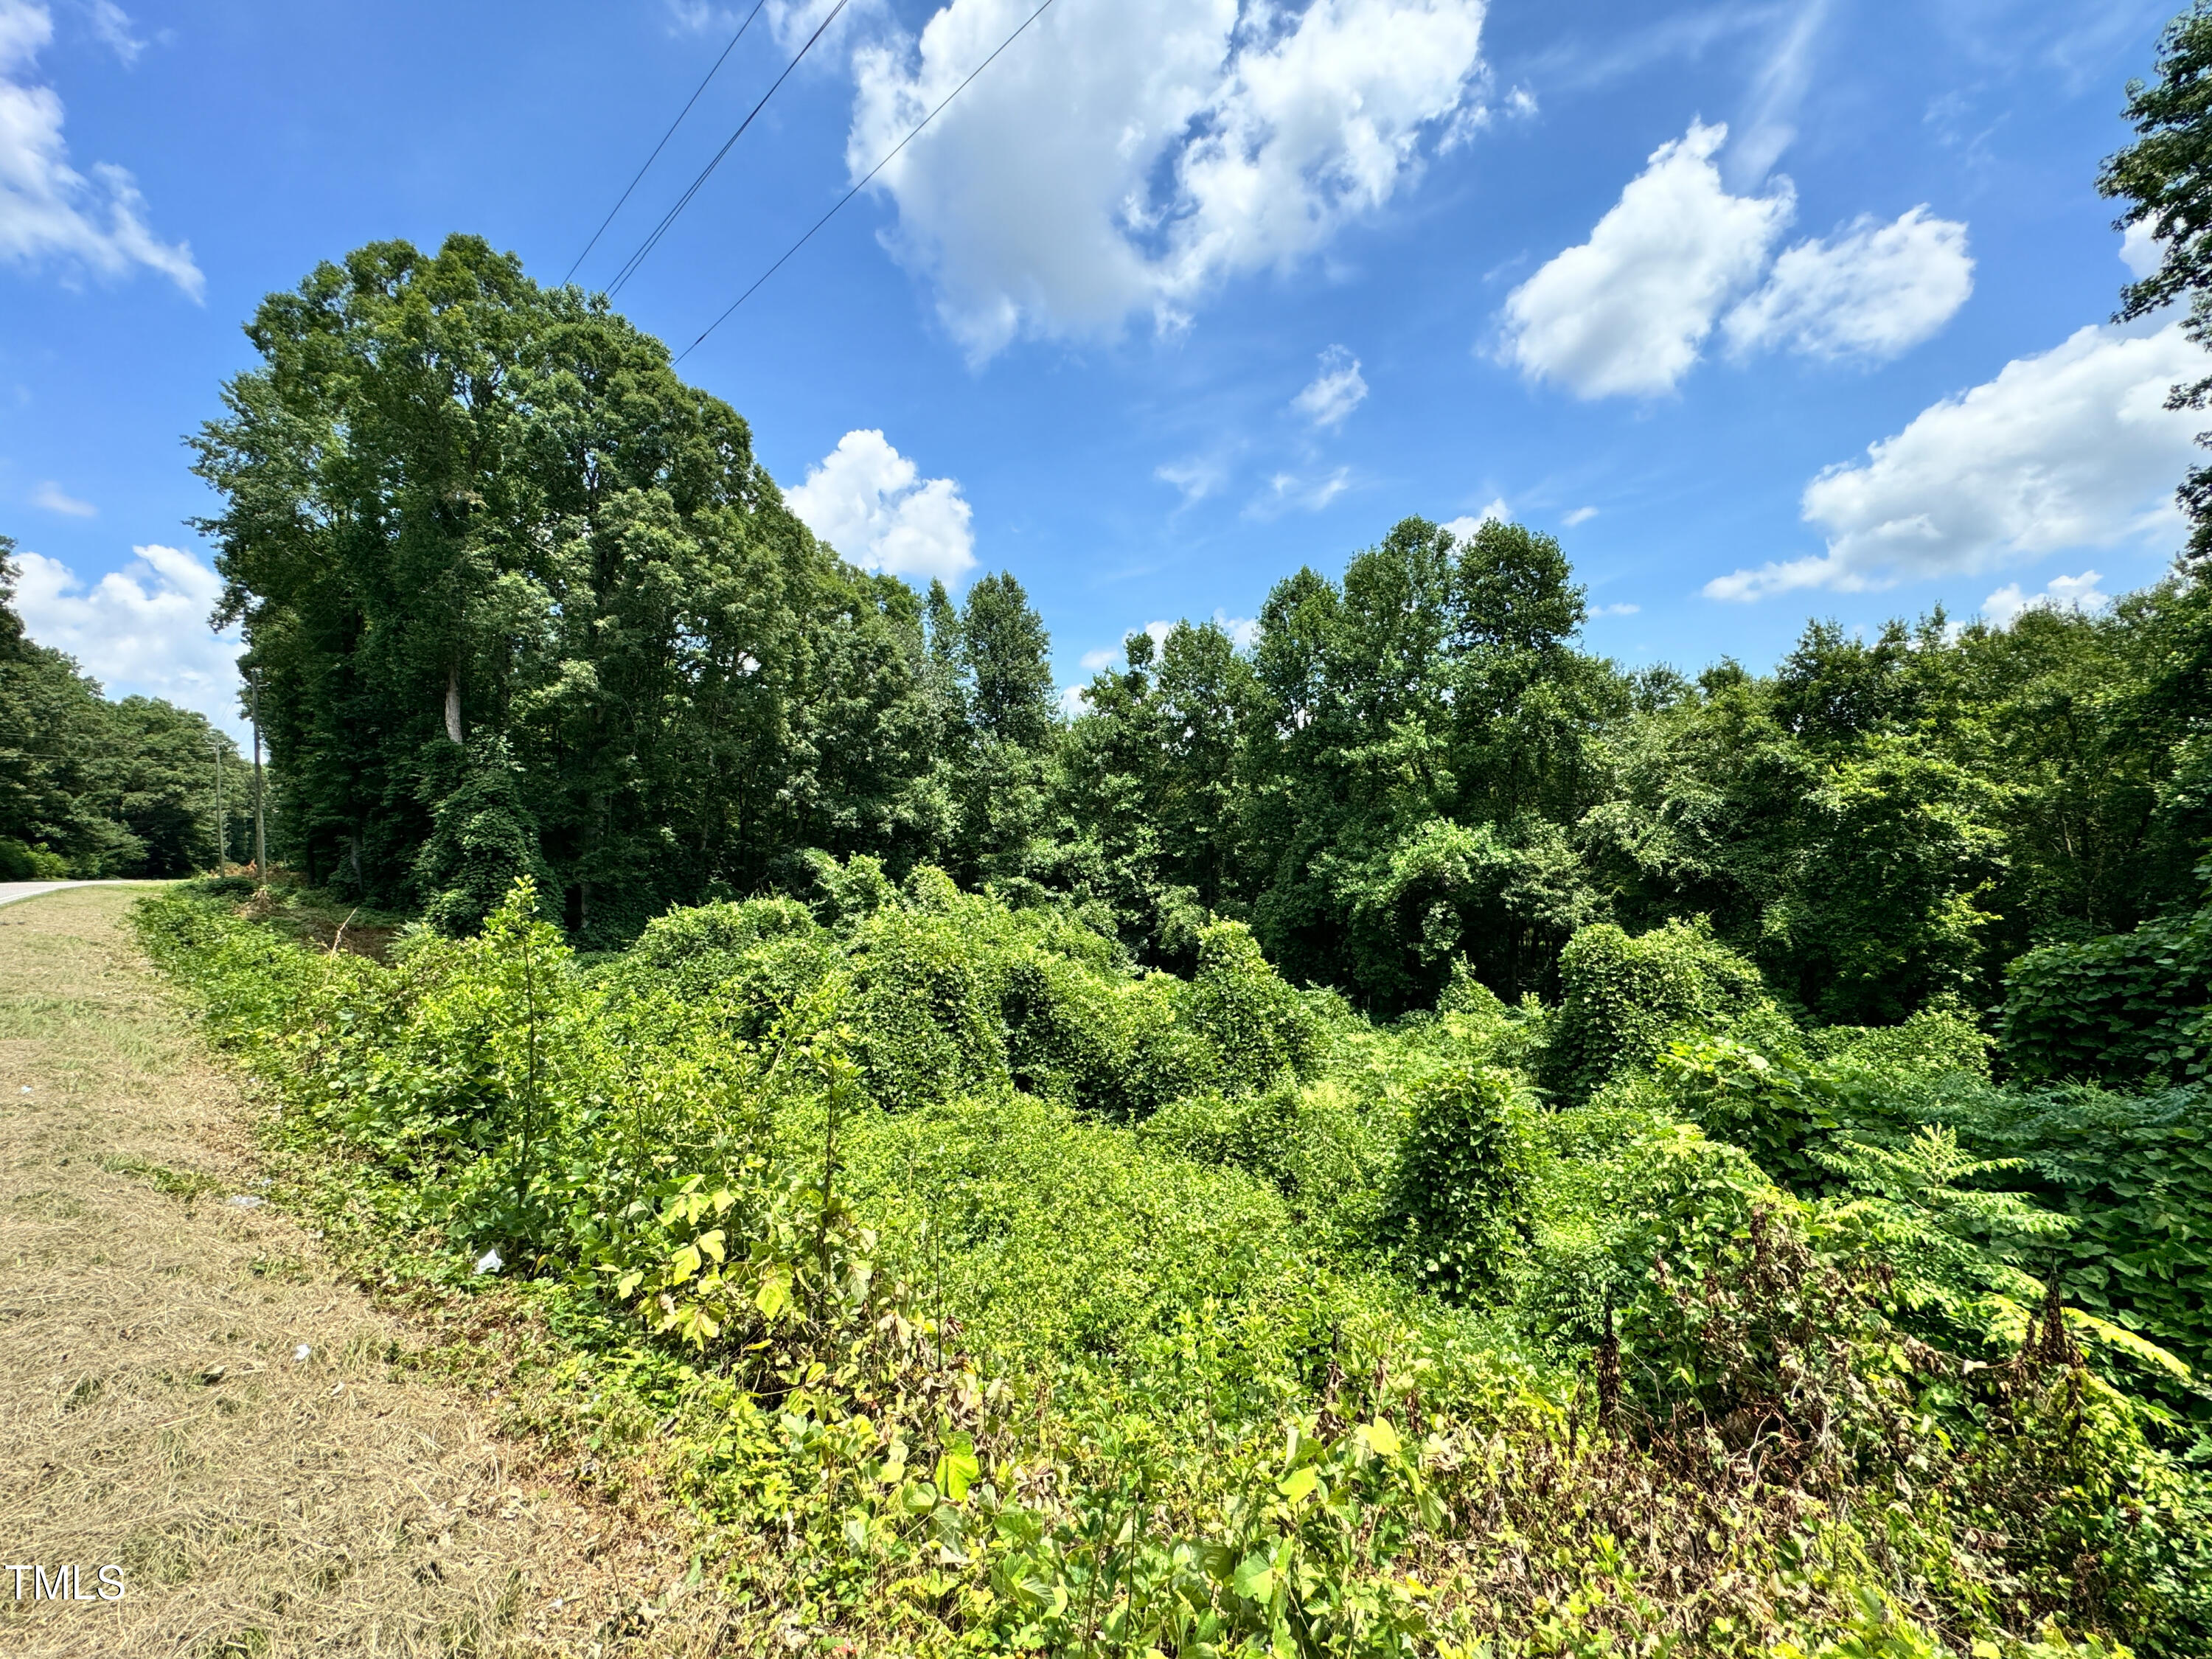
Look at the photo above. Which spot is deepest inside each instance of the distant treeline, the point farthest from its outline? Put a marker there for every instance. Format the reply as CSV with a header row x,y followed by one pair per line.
x,y
526,602
91,788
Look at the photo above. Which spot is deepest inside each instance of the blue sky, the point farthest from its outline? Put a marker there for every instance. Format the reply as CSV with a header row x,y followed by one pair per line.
x,y
1766,311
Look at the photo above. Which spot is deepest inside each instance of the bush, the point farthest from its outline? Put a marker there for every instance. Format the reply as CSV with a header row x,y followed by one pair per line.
x,y
1735,1094
1333,1155
1257,1024
757,956
1216,1419
924,1011
1624,999
2127,1008
482,839
2134,1176
22,863
1461,1208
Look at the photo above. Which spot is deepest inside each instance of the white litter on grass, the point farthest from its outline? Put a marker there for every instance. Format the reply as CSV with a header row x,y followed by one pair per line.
x,y
301,1353
488,1263
245,1200
27,1088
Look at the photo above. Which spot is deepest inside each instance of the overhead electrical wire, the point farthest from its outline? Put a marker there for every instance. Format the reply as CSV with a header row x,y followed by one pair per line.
x,y
630,264
664,137
863,184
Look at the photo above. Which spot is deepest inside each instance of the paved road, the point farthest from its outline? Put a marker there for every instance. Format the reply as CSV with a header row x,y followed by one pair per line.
x,y
12,891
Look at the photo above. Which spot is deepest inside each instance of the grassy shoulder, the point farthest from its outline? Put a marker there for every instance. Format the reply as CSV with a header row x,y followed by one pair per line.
x,y
973,1294
193,1389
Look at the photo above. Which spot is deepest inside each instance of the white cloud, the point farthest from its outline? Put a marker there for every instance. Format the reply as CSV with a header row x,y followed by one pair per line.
x,y
1580,516
113,25
142,629
2077,594
49,212
1617,610
868,501
1287,490
1335,392
2072,448
792,22
1244,631
1197,478
1465,526
1128,158
1778,90
1074,705
1628,312
2140,251
1099,661
51,496
1875,291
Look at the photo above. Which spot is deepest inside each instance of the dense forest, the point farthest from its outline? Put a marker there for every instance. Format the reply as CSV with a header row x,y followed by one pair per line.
x,y
1398,1136
90,787
527,605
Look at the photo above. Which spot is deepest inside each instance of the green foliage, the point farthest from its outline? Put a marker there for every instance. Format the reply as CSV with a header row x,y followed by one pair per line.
x,y
482,841
1462,1209
1778,1112
22,863
1623,999
2133,1175
90,787
1884,914
924,1010
2128,1008
1256,1023
992,1368
458,506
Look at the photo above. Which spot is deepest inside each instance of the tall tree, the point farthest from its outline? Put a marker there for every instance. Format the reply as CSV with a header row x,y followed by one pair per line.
x,y
471,525
110,789
2166,177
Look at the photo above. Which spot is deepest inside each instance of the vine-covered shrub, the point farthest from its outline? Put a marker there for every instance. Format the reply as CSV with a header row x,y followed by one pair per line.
x,y
483,838
1291,1367
925,1010
1774,1111
754,959
947,993
20,863
1256,1023
1069,1035
2125,1008
1332,1153
1623,999
713,934
2133,1175
1461,1204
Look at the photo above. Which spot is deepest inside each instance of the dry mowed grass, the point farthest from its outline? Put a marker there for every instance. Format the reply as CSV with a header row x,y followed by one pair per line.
x,y
153,1414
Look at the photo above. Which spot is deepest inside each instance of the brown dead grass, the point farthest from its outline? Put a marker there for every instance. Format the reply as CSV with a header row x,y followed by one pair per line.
x,y
153,1414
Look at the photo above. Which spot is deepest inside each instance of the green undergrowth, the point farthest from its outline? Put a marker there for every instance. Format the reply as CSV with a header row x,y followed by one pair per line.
x,y
979,1292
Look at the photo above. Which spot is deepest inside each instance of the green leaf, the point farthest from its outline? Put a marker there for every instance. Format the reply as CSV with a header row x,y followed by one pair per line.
x,y
775,1293
1254,1577
956,1468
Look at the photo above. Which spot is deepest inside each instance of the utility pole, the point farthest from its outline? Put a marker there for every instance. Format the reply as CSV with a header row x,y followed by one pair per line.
x,y
260,838
215,742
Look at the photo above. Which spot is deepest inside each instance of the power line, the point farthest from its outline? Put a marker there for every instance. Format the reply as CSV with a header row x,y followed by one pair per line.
x,y
664,137
863,185
631,265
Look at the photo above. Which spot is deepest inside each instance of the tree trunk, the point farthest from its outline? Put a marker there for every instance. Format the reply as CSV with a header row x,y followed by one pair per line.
x,y
453,702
